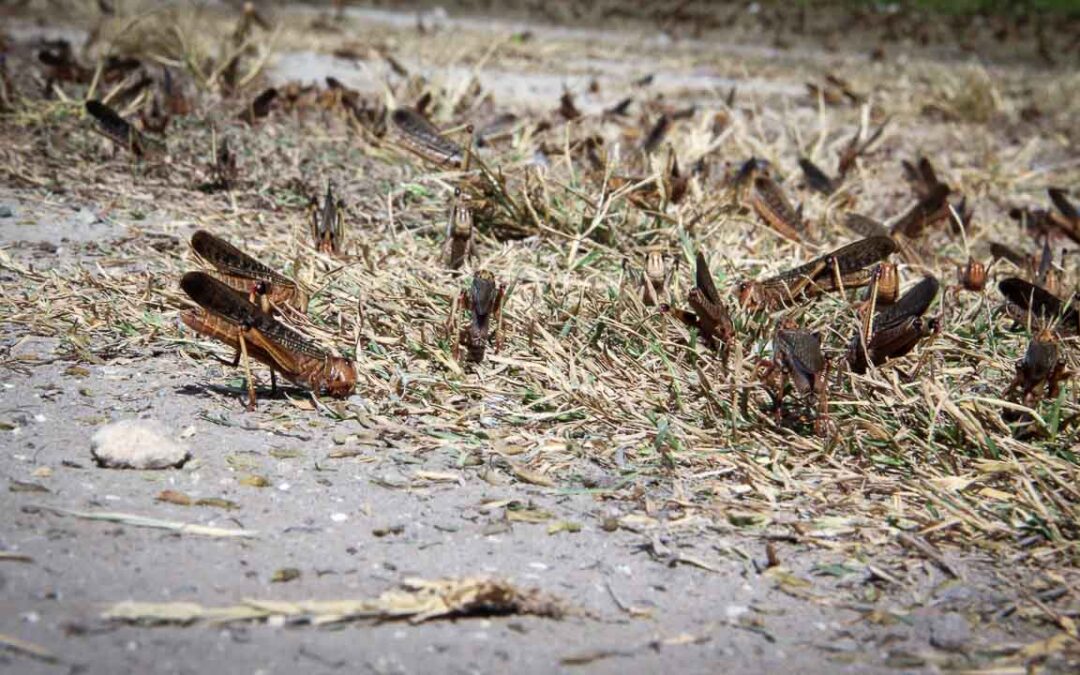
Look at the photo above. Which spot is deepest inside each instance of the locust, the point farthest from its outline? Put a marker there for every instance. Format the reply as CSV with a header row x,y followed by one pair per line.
x,y
843,268
238,270
1063,220
797,358
865,226
1042,364
460,243
930,208
483,301
260,106
654,280
855,148
971,276
886,285
894,331
816,179
223,171
1039,305
327,224
419,136
226,315
771,204
120,131
710,316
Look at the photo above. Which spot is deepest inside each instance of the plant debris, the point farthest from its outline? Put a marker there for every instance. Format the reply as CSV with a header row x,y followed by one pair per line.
x,y
416,601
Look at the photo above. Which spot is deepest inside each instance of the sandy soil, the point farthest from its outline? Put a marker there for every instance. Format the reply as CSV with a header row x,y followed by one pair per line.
x,y
690,594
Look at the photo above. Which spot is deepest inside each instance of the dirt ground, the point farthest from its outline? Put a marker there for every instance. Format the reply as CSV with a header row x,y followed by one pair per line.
x,y
699,568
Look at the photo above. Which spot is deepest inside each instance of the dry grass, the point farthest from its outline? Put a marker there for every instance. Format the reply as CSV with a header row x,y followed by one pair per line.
x,y
591,382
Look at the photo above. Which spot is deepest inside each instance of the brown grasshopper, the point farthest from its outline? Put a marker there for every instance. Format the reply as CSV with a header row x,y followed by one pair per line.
x,y
895,330
771,204
460,243
223,170
228,316
654,280
885,288
1039,304
865,226
931,208
816,179
120,131
1065,220
1042,364
327,225
484,303
797,356
710,316
260,106
855,148
921,176
1067,216
971,276
247,275
419,136
840,269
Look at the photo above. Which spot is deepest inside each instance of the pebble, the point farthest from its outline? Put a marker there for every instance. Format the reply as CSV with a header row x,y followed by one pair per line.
x,y
950,631
137,444
6,211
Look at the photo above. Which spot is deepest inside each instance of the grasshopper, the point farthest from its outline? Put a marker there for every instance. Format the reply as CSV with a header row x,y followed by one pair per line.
x,y
228,316
460,243
327,224
120,131
419,136
772,206
894,331
710,316
1042,364
840,269
797,357
247,275
484,303
1039,304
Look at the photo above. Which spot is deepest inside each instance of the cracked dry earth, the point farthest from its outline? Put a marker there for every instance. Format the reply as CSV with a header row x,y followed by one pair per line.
x,y
652,585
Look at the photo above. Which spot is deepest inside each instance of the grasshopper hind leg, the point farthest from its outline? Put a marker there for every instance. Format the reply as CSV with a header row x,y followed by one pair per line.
x,y
247,372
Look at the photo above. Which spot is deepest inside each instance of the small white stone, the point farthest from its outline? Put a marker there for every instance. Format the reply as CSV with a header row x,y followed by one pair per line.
x,y
136,444
338,517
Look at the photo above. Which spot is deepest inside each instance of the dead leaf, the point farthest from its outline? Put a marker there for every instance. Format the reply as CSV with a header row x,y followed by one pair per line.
x,y
174,497
284,575
217,503
532,477
563,526
254,480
